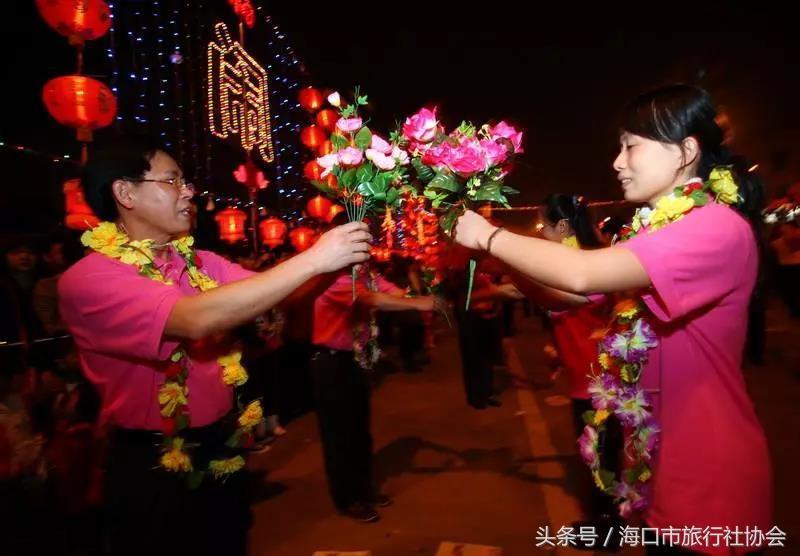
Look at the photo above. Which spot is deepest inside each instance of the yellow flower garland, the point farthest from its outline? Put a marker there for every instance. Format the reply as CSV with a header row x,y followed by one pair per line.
x,y
173,396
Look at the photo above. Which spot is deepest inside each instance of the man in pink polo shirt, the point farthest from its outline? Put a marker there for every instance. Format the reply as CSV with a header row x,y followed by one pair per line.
x,y
126,327
341,386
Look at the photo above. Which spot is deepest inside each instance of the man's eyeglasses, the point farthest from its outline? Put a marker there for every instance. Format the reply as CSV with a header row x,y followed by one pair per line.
x,y
178,183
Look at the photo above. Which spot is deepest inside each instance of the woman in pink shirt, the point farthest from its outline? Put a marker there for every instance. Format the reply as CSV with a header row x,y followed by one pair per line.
x,y
694,262
149,323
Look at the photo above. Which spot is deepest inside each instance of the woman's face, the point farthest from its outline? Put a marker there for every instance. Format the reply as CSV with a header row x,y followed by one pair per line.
x,y
647,169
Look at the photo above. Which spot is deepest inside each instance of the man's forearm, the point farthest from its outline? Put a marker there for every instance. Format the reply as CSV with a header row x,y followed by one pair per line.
x,y
239,302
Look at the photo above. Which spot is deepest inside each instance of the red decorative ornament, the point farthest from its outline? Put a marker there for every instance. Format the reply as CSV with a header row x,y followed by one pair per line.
x,y
380,254
311,99
302,238
325,148
79,20
169,426
231,224
334,210
250,176
332,182
80,102
273,231
327,119
319,207
79,215
312,137
312,171
244,11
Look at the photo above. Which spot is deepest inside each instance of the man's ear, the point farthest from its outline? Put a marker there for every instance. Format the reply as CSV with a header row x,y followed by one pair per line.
x,y
124,192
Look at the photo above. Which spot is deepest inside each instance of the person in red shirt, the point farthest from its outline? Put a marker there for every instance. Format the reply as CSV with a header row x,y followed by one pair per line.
x,y
344,350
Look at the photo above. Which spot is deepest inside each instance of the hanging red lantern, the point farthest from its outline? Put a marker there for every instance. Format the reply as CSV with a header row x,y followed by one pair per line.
x,y
311,99
312,137
302,238
80,102
312,171
273,231
231,224
327,118
319,207
333,211
79,215
325,148
79,20
331,181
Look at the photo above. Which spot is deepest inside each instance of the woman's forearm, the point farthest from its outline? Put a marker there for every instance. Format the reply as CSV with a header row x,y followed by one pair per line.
x,y
564,268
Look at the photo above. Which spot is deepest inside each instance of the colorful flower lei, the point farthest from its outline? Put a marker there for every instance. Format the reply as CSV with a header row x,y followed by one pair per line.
x,y
366,350
624,351
173,396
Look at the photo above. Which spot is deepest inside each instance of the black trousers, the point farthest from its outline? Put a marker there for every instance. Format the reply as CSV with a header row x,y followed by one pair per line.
x,y
341,393
477,337
152,511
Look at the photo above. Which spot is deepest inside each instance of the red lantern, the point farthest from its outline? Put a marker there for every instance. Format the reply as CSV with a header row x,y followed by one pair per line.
x,y
302,238
333,211
231,224
79,215
312,137
325,148
312,171
327,119
311,99
332,182
319,207
80,102
273,230
80,20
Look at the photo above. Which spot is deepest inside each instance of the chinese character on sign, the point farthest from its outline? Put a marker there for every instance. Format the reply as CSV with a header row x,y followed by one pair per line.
x,y
566,536
587,536
238,99
775,536
630,536
543,537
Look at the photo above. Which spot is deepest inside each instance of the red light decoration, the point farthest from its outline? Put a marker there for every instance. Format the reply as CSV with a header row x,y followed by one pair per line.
x,y
302,238
79,215
273,232
231,224
334,210
250,176
313,137
79,20
319,207
311,99
80,102
312,171
244,11
327,119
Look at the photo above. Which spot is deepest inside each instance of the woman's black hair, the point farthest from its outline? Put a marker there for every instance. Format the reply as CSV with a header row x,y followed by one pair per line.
x,y
573,209
673,113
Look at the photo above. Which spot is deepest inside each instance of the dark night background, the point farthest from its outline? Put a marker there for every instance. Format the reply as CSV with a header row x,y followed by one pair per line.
x,y
560,73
